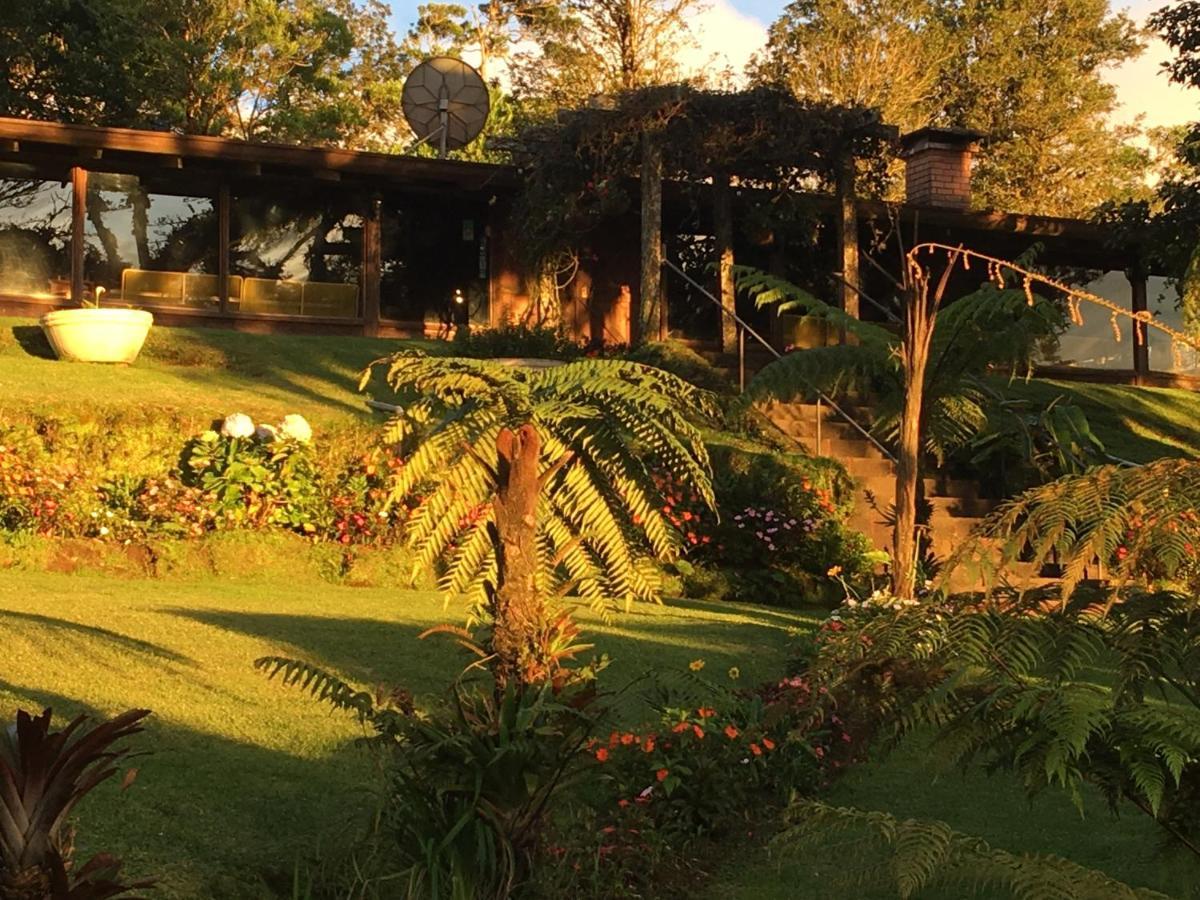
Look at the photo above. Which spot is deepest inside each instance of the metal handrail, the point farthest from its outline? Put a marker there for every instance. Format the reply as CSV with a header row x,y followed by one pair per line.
x,y
745,328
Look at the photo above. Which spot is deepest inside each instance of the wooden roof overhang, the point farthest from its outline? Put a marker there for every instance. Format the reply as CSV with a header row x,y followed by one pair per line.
x,y
56,145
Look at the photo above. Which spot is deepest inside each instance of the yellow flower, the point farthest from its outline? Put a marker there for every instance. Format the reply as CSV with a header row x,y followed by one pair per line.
x,y
735,673
834,571
696,665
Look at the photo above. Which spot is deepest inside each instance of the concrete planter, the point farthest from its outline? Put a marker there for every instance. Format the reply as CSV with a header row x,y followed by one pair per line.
x,y
96,334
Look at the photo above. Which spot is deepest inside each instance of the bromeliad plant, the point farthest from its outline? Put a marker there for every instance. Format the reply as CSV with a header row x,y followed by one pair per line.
x,y
538,484
44,774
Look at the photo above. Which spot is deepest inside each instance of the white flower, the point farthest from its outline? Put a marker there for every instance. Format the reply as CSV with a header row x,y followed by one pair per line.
x,y
103,530
237,425
266,433
295,427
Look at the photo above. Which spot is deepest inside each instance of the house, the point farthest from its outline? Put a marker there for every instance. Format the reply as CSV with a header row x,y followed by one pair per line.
x,y
261,237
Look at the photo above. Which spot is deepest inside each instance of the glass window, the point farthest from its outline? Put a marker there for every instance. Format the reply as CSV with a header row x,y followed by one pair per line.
x,y
35,234
434,261
295,257
1162,299
147,246
1092,345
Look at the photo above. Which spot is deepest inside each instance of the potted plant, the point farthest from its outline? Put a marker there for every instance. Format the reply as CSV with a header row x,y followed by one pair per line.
x,y
93,333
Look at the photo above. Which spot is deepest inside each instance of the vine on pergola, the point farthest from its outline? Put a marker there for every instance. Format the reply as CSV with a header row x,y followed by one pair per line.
x,y
588,165
923,298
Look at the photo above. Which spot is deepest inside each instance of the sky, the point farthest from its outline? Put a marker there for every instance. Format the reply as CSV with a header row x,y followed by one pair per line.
x,y
732,30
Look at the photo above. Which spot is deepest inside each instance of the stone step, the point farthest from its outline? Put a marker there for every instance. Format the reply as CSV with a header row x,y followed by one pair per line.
x,y
849,448
960,507
869,467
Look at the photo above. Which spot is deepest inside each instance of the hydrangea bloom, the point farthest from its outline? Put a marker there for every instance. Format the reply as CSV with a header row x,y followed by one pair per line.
x,y
295,427
237,425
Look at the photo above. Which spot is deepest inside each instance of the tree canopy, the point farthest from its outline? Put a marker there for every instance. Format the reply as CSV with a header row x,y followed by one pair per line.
x,y
1026,73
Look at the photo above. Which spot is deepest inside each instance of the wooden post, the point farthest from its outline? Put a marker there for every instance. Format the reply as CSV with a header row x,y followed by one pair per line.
x,y
848,235
224,202
78,212
1141,342
722,202
649,317
372,265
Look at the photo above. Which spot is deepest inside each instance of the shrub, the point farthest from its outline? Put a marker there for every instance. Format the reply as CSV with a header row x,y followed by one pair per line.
x,y
46,774
515,340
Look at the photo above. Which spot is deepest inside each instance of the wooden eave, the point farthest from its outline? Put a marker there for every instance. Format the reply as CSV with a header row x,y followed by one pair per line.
x,y
35,141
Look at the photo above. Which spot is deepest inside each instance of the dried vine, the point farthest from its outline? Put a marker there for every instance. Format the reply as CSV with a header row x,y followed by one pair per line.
x,y
996,269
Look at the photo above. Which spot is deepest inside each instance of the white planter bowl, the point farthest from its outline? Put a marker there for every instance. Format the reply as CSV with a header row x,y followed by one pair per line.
x,y
97,334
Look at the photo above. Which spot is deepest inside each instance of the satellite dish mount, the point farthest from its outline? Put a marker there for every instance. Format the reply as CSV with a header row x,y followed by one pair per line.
x,y
446,100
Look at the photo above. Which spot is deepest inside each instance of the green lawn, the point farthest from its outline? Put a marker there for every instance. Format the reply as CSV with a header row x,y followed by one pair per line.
x,y
195,371
244,774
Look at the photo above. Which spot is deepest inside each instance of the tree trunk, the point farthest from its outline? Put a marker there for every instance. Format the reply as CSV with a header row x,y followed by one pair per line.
x,y
848,236
650,316
723,231
908,462
518,610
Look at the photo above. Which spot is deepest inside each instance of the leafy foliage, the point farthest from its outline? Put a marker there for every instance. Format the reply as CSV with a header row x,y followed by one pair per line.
x,y
912,855
1021,73
987,328
44,775
1021,689
606,428
1137,522
468,787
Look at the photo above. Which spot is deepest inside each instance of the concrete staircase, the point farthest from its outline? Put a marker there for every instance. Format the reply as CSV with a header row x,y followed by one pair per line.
x,y
956,504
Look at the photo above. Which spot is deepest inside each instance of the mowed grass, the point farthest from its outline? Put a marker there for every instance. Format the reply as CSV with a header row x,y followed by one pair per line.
x,y
199,371
243,775
911,784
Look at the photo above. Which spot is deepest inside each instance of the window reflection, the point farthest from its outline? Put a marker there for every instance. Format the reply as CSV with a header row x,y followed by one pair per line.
x,y
147,247
35,234
1092,345
430,251
1162,299
296,257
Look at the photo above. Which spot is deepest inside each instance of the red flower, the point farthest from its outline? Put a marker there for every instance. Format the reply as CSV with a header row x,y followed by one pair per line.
x,y
627,739
681,727
756,750
602,754
768,743
706,712
662,774
699,732
731,732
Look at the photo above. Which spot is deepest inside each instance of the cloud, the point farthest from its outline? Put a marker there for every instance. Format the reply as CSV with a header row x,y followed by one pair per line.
x,y
726,38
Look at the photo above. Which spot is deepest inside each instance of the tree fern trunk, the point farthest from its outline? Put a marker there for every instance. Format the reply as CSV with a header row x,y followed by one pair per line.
x,y
650,316
722,197
518,610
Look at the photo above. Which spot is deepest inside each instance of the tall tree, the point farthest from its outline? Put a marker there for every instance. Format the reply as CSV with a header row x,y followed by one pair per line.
x,y
320,71
603,46
1027,73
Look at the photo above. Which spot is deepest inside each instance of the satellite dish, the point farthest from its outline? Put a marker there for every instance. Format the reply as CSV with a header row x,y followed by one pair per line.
x,y
445,101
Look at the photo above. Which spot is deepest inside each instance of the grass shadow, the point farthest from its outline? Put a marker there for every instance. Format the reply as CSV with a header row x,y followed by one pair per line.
x,y
124,642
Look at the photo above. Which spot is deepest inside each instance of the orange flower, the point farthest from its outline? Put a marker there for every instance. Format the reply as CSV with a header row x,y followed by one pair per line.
x,y
662,774
698,731
627,739
681,727
768,743
602,754
648,746
731,732
706,712
622,803
756,750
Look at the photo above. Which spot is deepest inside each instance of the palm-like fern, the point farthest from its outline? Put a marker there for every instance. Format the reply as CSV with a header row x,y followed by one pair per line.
x,y
988,328
603,430
1136,521
1019,689
911,855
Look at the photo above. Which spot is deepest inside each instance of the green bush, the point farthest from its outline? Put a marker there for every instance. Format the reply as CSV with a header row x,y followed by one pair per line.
x,y
514,340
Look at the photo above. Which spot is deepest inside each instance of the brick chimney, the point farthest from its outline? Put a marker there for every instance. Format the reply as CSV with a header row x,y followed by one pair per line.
x,y
937,166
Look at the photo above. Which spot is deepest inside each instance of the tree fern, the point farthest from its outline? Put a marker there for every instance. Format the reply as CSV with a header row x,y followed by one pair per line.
x,y
605,430
911,855
1139,522
975,334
